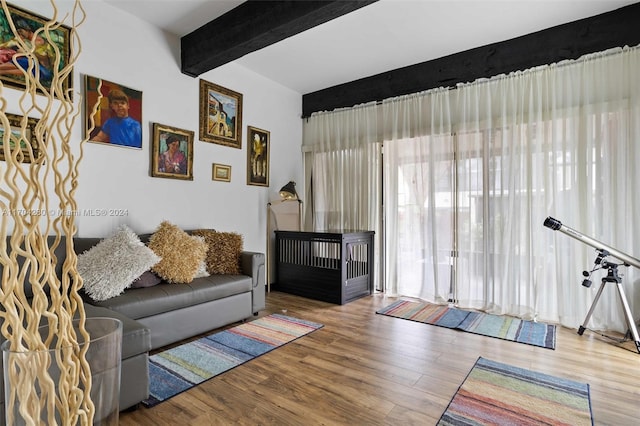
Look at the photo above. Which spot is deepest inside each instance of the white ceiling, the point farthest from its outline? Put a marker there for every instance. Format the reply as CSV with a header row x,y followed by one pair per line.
x,y
380,37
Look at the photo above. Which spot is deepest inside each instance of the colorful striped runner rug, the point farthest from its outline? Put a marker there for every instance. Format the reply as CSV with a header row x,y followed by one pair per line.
x,y
498,326
499,394
180,368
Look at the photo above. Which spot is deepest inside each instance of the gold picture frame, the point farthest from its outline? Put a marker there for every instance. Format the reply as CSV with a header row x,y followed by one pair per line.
x,y
258,144
220,115
221,172
16,138
172,152
55,48
118,120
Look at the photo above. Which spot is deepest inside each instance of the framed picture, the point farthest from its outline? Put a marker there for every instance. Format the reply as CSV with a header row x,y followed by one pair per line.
x,y
258,144
26,24
172,152
221,172
119,115
28,144
220,115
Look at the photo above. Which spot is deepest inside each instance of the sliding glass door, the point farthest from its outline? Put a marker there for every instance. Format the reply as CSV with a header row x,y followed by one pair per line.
x,y
470,174
419,183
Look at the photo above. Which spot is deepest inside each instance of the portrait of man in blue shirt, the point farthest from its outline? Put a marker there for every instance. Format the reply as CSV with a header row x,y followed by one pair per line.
x,y
120,129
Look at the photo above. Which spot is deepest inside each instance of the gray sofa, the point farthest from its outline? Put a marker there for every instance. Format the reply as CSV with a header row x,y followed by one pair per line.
x,y
157,316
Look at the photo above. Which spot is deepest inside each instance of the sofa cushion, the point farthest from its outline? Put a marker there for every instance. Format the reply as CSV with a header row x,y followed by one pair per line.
x,y
164,297
181,253
223,251
82,244
111,266
136,338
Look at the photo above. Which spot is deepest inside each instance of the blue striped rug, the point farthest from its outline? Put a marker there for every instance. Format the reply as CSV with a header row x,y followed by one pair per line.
x,y
180,368
498,326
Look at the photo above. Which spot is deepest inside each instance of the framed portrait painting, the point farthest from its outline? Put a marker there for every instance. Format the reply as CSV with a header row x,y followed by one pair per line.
x,y
221,172
258,144
53,48
118,119
26,143
172,152
220,115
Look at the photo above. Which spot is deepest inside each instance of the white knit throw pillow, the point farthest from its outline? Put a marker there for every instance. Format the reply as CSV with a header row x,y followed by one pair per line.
x,y
109,267
202,266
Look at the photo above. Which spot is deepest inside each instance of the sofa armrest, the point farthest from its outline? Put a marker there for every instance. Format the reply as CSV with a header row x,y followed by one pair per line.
x,y
252,264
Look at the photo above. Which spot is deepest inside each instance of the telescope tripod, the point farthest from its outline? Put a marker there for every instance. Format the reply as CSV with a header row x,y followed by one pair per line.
x,y
613,277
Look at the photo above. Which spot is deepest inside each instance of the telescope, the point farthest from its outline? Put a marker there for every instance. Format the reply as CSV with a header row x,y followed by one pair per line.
x,y
556,225
612,276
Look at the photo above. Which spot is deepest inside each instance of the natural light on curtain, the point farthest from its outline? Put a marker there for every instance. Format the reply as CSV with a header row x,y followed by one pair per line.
x,y
419,195
343,173
470,174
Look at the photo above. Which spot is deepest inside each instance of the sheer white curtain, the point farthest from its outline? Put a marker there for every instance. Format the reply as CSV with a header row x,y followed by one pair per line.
x,y
419,195
343,173
470,175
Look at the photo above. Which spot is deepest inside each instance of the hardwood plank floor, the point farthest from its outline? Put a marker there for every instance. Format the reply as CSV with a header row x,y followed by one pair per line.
x,y
368,369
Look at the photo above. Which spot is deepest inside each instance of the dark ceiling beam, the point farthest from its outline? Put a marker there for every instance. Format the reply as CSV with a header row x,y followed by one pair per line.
x,y
252,26
568,41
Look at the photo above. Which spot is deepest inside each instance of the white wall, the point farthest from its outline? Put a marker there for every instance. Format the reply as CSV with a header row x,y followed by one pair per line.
x,y
119,47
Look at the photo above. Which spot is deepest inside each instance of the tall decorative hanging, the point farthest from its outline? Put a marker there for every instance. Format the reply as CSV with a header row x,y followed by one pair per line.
x,y
37,200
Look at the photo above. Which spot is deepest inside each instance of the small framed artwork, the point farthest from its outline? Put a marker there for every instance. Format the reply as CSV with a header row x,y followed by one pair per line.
x,y
220,115
26,143
172,152
118,116
221,172
258,145
52,48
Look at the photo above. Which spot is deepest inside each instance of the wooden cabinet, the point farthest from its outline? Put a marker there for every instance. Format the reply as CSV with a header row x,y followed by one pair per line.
x,y
335,267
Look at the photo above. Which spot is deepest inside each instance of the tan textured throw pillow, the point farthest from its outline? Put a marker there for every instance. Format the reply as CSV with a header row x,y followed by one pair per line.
x,y
223,253
181,253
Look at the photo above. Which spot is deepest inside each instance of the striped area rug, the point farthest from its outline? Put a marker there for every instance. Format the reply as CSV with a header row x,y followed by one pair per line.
x,y
499,394
178,369
498,326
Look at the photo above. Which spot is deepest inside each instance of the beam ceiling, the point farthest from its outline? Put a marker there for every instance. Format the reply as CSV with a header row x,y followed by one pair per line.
x,y
567,41
252,26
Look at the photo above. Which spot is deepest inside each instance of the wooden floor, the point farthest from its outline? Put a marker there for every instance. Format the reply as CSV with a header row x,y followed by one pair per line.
x,y
368,369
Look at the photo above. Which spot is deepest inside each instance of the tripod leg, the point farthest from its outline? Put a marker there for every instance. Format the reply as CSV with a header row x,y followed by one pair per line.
x,y
583,327
629,317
